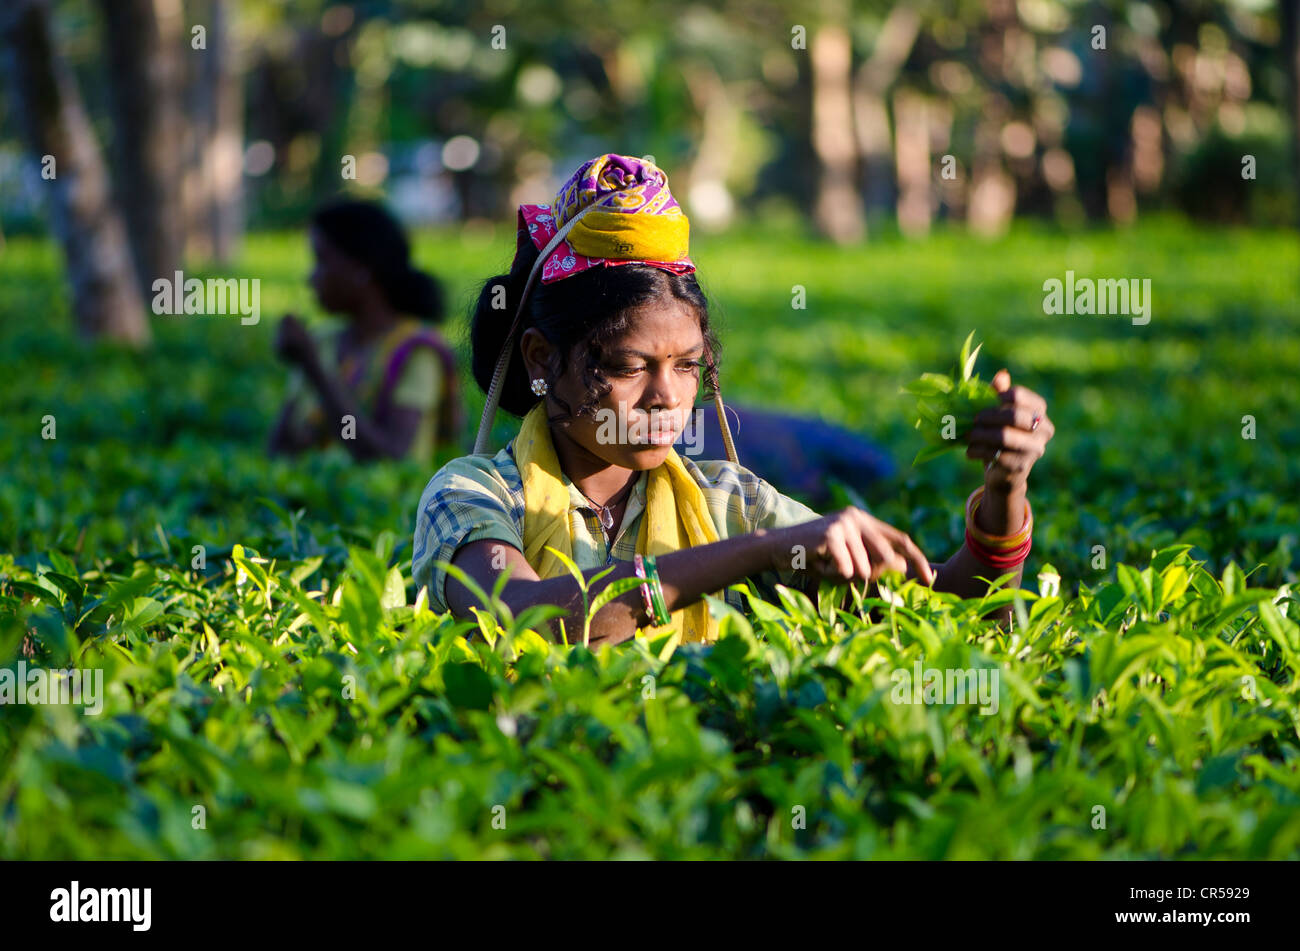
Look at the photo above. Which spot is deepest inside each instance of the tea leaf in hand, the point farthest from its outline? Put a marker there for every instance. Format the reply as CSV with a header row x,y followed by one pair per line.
x,y
939,396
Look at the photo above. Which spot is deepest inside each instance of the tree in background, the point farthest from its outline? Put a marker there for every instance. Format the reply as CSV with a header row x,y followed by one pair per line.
x,y
105,296
1290,11
871,85
910,110
177,104
838,209
212,180
142,45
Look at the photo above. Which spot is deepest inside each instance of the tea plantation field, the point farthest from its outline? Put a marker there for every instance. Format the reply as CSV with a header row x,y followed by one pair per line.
x,y
274,687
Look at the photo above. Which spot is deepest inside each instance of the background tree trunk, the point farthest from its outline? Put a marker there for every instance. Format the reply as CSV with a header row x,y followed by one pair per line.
x,y
871,119
1290,13
106,300
992,201
706,180
838,208
214,147
912,147
142,45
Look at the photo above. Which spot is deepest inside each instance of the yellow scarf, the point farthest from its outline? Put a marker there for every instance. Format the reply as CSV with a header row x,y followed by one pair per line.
x,y
675,517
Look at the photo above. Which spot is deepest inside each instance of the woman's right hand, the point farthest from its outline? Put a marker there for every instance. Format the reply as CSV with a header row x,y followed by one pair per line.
x,y
293,342
849,545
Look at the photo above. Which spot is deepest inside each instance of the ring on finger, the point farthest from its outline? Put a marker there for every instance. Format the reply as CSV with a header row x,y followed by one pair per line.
x,y
1038,418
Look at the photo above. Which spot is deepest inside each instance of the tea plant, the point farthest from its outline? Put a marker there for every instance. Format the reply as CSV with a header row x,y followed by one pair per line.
x,y
946,405
301,712
275,687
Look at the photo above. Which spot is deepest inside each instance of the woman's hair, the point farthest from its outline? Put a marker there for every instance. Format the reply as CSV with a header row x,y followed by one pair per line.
x,y
588,309
371,236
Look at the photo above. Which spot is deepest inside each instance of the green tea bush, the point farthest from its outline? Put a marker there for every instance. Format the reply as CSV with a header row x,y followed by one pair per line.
x,y
1154,716
949,403
275,687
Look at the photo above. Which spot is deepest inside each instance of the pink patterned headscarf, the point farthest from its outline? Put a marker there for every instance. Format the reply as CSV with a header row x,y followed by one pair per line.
x,y
617,210
637,220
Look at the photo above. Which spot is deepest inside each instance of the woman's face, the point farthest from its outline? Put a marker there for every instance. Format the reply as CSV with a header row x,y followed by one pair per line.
x,y
653,372
335,276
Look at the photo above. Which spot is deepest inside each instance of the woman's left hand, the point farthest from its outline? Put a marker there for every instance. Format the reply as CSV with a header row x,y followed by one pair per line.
x,y
1012,436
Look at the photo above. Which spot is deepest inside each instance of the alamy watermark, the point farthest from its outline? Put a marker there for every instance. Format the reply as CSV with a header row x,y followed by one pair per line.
x,y
947,685
216,295
1111,296
74,904
653,428
36,685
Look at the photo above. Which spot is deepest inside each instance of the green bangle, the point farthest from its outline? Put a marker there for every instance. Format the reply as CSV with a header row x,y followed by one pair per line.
x,y
661,615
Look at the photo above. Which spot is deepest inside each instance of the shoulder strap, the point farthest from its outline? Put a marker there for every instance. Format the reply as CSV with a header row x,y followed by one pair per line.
x,y
450,414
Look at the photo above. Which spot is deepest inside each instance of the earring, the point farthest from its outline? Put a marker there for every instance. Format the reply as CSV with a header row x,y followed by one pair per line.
x,y
539,386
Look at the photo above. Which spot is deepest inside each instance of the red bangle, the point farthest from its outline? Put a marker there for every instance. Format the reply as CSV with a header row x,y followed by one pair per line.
x,y
999,559
1002,560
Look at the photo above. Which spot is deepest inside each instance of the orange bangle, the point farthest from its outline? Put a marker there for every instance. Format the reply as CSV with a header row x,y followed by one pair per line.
x,y
1001,542
997,542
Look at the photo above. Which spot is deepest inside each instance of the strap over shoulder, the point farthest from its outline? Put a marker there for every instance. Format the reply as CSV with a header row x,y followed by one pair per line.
x,y
450,411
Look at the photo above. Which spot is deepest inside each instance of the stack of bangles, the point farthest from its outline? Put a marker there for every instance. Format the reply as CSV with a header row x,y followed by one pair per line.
x,y
656,608
1004,552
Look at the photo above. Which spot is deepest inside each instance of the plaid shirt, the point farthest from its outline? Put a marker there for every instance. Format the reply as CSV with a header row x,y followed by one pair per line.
x,y
477,497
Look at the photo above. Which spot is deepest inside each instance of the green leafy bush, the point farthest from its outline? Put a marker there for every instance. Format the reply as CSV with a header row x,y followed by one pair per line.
x,y
946,405
301,714
274,686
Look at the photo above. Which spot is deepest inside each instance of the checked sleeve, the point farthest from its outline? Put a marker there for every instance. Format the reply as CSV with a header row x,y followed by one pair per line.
x,y
469,499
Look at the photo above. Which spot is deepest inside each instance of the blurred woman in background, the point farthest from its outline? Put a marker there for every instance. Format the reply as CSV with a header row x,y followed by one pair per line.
x,y
385,384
